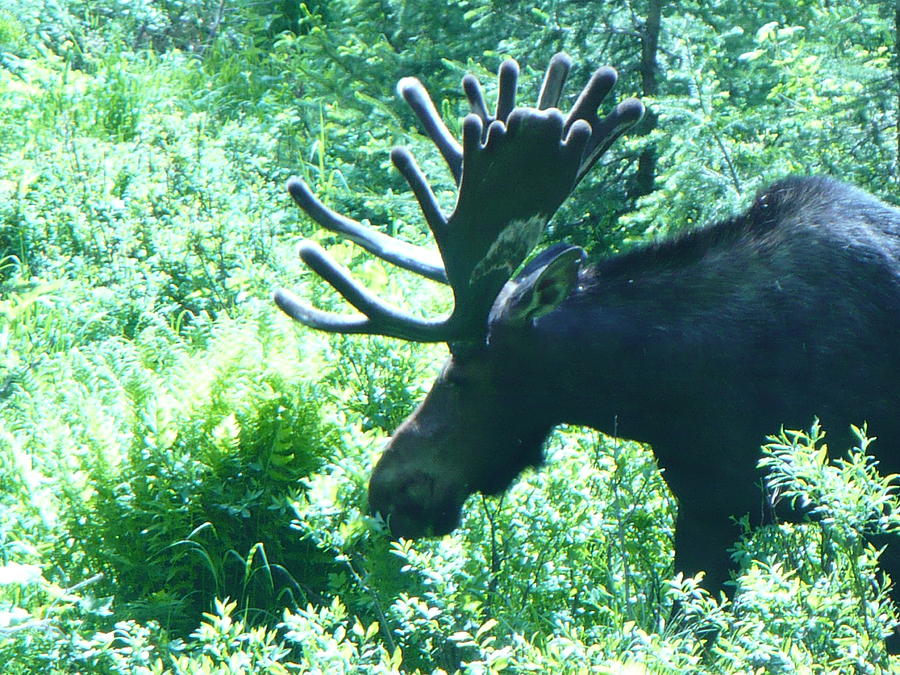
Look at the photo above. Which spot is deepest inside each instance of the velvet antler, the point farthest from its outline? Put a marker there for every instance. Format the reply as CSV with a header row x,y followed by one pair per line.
x,y
513,169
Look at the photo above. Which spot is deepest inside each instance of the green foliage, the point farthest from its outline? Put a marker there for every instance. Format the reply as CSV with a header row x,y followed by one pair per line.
x,y
810,481
182,466
165,444
377,380
753,95
585,565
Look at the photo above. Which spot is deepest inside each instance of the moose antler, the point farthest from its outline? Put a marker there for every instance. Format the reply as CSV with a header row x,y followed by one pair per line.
x,y
513,169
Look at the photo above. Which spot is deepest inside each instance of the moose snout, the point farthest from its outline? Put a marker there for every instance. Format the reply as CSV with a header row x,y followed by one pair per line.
x,y
414,504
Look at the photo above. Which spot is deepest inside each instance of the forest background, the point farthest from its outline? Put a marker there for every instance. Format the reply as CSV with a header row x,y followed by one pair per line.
x,y
182,469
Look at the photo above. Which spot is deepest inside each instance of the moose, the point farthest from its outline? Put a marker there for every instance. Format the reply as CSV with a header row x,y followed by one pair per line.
x,y
700,345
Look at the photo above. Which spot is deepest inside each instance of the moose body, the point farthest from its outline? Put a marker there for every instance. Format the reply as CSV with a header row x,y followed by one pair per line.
x,y
700,345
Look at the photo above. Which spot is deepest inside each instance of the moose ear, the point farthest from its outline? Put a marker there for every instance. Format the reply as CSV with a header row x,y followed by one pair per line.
x,y
541,285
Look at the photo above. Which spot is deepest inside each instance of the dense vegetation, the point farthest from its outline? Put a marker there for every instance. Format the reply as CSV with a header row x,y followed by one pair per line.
x,y
182,471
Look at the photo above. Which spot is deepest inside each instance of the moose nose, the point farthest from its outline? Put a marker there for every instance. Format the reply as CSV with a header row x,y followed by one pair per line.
x,y
412,506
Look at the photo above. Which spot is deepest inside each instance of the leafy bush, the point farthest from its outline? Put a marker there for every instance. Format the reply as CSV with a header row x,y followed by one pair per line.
x,y
216,442
164,444
497,595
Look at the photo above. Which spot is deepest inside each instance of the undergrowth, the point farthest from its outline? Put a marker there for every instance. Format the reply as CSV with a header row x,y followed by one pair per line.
x,y
183,472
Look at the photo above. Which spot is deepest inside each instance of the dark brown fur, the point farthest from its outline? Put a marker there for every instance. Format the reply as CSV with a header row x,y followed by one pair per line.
x,y
700,345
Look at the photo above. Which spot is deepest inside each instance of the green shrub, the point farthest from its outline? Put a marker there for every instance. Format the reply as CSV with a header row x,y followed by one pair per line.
x,y
159,427
198,505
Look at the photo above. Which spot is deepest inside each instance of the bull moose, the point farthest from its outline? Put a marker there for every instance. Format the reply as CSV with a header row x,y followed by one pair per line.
x,y
787,312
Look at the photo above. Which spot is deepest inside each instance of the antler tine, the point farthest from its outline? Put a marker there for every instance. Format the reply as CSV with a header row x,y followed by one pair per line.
x,y
475,96
308,315
413,258
416,96
378,316
601,83
406,164
603,132
625,115
554,81
508,77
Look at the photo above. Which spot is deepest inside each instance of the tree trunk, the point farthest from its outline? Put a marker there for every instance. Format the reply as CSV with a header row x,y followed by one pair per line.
x,y
646,173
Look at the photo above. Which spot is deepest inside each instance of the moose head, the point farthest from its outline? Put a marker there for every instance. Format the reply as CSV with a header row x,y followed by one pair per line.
x,y
475,431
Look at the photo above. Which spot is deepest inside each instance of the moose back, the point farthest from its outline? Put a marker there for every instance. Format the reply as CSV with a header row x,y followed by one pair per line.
x,y
700,345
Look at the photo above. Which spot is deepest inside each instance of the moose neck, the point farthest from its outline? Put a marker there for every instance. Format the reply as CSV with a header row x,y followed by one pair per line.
x,y
669,333
610,367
